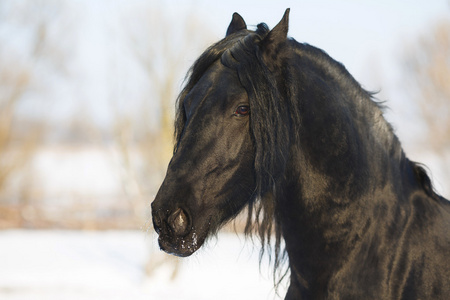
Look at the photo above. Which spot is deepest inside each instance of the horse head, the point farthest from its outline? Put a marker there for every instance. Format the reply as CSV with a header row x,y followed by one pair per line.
x,y
224,136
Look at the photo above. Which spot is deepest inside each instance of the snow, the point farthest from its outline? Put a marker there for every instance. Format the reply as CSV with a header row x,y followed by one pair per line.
x,y
111,265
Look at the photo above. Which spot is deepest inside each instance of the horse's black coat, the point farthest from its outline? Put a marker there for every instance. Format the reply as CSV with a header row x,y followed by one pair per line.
x,y
279,126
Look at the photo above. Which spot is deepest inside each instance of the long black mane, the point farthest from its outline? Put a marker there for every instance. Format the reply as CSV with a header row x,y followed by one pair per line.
x,y
270,135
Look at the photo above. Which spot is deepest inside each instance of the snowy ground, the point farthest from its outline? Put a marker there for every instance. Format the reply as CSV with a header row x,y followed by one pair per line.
x,y
111,265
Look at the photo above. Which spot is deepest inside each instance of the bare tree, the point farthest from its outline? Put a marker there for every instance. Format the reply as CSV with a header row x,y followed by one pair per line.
x,y
164,51
29,48
13,84
427,65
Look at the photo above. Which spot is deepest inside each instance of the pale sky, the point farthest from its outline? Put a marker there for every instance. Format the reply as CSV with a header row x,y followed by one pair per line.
x,y
366,36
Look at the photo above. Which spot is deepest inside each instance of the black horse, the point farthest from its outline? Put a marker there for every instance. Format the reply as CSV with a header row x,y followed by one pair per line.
x,y
279,127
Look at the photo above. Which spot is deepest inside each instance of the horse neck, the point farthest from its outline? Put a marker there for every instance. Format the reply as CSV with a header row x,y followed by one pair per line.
x,y
345,162
341,133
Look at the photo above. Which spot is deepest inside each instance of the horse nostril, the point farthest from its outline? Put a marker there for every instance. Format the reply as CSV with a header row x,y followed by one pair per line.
x,y
178,221
157,222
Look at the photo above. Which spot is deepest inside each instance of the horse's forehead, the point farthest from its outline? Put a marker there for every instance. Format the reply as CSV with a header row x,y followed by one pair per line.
x,y
218,77
218,82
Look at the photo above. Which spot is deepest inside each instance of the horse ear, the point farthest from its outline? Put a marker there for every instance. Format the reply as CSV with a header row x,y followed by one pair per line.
x,y
237,24
275,37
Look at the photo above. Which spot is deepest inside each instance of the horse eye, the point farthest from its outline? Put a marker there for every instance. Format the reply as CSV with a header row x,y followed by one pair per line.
x,y
242,110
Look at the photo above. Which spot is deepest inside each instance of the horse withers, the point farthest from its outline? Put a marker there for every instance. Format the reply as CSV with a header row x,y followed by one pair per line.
x,y
279,127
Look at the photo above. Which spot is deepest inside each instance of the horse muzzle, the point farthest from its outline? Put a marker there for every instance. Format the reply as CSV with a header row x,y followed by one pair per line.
x,y
177,236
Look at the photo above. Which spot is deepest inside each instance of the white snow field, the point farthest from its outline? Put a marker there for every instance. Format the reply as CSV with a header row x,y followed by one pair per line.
x,y
111,265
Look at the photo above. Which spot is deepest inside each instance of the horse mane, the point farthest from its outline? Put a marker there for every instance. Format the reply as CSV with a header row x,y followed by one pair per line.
x,y
269,130
347,81
424,180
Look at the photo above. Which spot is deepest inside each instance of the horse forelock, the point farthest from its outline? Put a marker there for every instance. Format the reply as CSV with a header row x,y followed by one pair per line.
x,y
200,66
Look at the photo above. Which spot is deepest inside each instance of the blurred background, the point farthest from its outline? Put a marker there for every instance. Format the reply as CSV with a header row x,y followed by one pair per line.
x,y
87,91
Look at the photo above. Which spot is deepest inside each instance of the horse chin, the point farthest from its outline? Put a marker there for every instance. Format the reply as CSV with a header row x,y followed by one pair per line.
x,y
181,246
